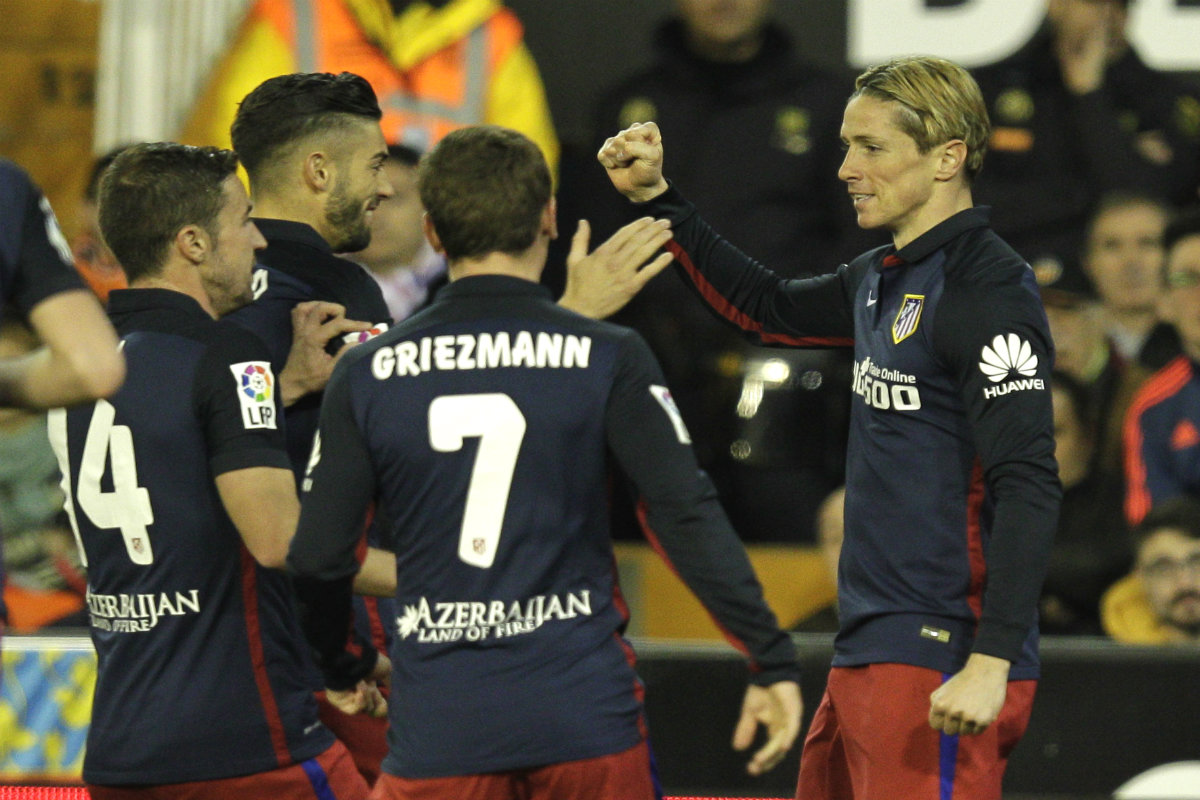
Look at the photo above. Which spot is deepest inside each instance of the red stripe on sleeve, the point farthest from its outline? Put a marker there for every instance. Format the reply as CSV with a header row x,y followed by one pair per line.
x,y
975,557
258,660
652,538
730,312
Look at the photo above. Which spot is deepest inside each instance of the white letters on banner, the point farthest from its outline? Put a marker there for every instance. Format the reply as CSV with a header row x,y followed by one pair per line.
x,y
978,32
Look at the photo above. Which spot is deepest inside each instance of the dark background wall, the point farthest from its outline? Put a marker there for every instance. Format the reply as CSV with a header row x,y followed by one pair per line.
x,y
583,46
1104,713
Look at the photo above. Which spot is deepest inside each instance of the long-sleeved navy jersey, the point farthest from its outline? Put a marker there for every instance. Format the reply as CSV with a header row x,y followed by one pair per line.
x,y
202,663
297,266
35,261
952,492
484,427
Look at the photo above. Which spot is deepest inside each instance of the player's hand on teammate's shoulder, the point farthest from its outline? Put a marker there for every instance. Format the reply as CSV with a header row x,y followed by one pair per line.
x,y
600,283
778,707
634,162
314,325
971,700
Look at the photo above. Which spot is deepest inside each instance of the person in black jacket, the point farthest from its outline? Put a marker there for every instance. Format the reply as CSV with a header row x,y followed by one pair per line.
x,y
725,71
1076,114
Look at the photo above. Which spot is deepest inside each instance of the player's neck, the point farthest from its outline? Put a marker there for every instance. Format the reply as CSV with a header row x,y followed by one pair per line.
x,y
946,201
525,266
281,206
183,280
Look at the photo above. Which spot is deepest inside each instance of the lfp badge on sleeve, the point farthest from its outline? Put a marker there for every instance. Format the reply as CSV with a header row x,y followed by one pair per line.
x,y
256,393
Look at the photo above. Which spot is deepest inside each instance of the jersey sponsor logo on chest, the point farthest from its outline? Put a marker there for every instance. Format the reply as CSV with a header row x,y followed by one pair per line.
x,y
885,389
477,620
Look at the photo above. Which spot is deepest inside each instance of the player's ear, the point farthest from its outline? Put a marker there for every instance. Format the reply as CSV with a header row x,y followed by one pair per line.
x,y
431,234
952,159
549,224
192,242
318,171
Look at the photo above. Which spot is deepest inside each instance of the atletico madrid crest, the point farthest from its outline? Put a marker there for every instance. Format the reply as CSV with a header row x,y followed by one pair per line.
x,y
907,317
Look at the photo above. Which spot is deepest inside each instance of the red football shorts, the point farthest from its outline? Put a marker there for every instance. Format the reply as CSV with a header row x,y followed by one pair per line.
x,y
621,776
364,736
329,776
870,740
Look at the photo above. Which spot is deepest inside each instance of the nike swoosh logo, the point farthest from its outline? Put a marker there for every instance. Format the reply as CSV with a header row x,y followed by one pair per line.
x,y
871,301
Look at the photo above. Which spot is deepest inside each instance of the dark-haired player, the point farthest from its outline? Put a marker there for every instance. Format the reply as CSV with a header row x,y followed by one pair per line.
x,y
483,429
314,151
181,495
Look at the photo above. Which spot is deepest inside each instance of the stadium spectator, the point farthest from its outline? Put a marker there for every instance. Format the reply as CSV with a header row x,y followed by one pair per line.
x,y
436,65
1162,427
720,67
93,259
181,494
78,358
1084,352
1091,548
1159,603
399,258
951,438
530,690
1076,114
1123,256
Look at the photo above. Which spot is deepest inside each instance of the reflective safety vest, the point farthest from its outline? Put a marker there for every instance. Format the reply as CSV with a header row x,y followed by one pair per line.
x,y
445,91
464,63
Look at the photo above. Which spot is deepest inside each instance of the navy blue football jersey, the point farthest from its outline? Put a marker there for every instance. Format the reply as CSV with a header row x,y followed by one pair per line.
x,y
201,659
297,266
952,491
35,260
484,429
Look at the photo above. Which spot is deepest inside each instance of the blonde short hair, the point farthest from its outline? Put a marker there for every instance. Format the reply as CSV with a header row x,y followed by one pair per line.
x,y
940,101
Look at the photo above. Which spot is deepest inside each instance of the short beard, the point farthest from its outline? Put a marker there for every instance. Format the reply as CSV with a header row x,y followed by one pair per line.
x,y
346,221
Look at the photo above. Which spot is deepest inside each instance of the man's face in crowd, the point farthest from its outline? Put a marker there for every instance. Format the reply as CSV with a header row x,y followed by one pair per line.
x,y
226,274
1182,301
360,185
1169,563
723,22
396,234
1124,256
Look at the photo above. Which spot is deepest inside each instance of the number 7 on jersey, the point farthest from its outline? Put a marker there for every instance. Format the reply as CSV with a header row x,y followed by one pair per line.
x,y
500,426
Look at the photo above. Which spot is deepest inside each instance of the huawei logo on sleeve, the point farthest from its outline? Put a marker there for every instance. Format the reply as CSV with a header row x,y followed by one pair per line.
x,y
1009,356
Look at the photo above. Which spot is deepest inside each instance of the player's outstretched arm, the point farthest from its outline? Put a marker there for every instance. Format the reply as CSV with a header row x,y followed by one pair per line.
x,y
634,161
777,707
600,283
262,503
309,364
971,700
79,361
